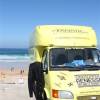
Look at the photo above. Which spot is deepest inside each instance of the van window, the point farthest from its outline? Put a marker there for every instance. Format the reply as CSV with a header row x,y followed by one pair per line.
x,y
62,57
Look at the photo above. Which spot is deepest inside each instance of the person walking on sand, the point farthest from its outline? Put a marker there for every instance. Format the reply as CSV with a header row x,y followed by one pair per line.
x,y
36,80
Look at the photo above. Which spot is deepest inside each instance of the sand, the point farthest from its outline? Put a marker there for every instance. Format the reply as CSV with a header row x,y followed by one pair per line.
x,y
13,85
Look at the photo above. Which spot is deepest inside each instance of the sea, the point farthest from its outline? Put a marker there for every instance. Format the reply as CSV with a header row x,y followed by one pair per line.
x,y
14,58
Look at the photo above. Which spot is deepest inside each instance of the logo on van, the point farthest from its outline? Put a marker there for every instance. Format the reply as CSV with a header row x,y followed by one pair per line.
x,y
87,80
69,31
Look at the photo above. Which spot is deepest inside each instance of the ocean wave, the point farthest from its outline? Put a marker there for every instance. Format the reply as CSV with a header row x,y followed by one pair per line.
x,y
14,57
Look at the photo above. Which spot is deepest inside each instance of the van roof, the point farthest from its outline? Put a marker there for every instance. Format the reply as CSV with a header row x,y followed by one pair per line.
x,y
64,35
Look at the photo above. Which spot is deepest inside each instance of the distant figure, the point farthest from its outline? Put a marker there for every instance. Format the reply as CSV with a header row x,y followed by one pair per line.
x,y
36,80
12,69
21,72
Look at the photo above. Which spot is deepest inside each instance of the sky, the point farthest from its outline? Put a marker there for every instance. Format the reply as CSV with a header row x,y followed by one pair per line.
x,y
18,18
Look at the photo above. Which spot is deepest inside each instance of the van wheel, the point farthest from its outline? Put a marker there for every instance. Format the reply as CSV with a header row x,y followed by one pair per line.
x,y
44,95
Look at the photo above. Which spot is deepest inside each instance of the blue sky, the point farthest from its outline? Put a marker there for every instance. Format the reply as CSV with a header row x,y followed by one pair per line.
x,y
18,18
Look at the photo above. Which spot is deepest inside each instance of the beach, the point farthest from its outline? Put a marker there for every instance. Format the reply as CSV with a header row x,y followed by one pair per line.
x,y
13,85
14,64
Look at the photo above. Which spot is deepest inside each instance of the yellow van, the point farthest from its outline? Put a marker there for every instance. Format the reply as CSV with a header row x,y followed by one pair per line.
x,y
71,61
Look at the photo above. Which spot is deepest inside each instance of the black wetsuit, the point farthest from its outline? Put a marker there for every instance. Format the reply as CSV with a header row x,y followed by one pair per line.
x,y
36,80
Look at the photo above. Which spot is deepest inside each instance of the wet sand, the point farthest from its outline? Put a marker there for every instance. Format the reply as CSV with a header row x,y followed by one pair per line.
x,y
13,86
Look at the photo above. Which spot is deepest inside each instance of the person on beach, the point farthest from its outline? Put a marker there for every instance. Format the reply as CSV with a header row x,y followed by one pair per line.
x,y
12,69
36,80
